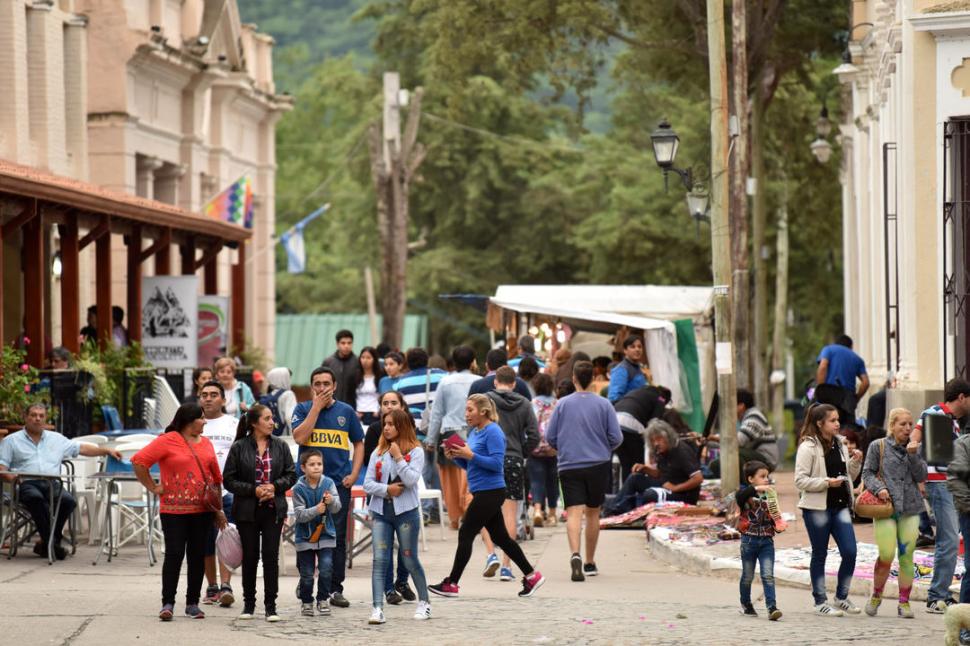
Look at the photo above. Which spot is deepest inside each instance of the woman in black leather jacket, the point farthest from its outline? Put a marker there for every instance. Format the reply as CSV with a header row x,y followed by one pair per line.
x,y
259,470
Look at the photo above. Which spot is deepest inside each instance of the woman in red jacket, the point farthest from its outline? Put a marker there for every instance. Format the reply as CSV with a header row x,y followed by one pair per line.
x,y
188,464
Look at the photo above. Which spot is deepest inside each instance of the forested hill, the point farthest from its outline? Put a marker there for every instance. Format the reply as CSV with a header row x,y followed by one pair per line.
x,y
307,31
523,183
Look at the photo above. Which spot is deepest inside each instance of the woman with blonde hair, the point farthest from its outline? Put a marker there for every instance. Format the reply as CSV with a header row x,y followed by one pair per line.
x,y
893,472
239,396
483,456
824,471
393,473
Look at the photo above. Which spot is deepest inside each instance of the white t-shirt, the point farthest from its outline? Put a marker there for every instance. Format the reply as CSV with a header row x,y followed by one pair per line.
x,y
221,431
367,396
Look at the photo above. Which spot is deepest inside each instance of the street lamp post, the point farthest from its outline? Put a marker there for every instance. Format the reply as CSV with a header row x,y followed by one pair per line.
x,y
665,144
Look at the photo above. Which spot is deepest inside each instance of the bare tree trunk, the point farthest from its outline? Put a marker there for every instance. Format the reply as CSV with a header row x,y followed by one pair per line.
x,y
393,164
721,246
781,319
739,200
758,249
384,199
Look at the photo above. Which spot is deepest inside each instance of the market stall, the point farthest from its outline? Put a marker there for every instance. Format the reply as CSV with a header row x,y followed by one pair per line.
x,y
676,322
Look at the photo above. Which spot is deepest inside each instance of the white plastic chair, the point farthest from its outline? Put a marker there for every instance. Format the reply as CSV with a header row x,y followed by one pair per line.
x,y
92,439
166,403
86,493
123,440
431,494
131,504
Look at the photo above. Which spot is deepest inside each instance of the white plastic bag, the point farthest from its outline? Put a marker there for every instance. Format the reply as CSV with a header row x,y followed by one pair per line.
x,y
229,547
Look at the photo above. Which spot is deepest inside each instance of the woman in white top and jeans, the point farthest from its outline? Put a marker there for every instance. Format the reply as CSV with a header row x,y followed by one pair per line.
x,y
392,480
824,471
368,407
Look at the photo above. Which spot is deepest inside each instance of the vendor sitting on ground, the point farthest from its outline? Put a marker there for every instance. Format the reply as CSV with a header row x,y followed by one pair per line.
x,y
37,451
674,476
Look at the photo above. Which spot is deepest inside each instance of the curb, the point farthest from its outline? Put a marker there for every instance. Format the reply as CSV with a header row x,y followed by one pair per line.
x,y
695,560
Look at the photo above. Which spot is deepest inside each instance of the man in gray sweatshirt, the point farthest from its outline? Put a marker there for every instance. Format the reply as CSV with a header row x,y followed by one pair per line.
x,y
518,421
585,432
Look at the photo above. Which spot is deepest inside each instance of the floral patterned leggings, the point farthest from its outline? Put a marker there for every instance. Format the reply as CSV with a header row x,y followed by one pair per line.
x,y
892,533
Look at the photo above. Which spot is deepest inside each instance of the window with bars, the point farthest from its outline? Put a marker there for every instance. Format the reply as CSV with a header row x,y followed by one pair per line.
x,y
956,248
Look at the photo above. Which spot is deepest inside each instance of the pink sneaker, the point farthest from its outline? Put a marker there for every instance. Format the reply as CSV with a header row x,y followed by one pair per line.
x,y
531,583
446,589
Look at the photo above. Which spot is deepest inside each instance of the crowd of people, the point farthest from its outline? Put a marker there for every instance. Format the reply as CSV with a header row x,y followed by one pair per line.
x,y
502,446
392,422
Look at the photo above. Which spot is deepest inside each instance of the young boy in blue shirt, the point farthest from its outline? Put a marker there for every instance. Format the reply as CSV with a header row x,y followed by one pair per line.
x,y
315,500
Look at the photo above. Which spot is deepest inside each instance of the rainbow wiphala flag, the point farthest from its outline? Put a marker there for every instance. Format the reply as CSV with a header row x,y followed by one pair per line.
x,y
235,204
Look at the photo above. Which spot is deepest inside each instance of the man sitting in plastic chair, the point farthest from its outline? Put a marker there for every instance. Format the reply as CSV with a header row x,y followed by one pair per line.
x,y
37,451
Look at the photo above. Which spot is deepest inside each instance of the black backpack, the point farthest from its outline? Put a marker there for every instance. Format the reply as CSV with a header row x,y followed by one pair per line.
x,y
272,402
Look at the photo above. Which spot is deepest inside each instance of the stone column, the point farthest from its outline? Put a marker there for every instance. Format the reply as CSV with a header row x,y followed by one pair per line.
x,y
76,95
45,73
145,175
14,117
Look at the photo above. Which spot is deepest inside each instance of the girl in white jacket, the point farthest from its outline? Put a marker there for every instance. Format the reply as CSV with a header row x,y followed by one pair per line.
x,y
824,471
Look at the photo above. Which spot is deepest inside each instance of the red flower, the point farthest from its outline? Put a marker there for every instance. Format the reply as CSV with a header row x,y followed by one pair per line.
x,y
27,388
24,367
26,340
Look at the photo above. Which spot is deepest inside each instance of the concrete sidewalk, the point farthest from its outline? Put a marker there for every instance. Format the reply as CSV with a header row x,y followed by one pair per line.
x,y
636,600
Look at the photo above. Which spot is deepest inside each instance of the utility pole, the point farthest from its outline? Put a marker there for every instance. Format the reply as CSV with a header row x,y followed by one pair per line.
x,y
394,162
721,246
741,296
759,250
778,352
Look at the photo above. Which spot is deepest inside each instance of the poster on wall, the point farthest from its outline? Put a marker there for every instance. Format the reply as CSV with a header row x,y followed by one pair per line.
x,y
213,328
169,320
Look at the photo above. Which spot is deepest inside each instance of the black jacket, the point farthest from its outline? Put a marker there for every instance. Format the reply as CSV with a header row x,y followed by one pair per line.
x,y
239,476
347,373
644,404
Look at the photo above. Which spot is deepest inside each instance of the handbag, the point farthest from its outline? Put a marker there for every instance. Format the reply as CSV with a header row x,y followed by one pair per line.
x,y
229,547
868,504
211,492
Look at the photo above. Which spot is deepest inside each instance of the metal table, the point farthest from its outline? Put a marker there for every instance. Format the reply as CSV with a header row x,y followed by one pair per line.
x,y
108,479
54,506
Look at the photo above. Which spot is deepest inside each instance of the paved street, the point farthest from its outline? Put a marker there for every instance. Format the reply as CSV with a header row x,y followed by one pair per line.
x,y
633,601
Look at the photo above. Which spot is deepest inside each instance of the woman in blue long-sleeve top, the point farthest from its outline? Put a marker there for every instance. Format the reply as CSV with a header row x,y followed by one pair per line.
x,y
483,457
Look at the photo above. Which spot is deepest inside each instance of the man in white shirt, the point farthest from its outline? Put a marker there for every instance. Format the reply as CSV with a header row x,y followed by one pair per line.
x,y
220,429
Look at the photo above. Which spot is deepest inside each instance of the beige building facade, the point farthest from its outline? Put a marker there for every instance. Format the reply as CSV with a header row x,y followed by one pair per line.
x,y
170,100
906,193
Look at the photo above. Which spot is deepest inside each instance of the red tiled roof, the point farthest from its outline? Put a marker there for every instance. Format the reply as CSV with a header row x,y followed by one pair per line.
x,y
32,182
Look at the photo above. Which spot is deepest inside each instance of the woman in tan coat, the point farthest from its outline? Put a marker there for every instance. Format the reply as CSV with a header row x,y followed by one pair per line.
x,y
824,471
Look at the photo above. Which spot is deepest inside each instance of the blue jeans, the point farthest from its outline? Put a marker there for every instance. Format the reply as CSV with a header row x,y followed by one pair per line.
x,y
947,540
340,551
306,562
544,481
758,549
407,526
402,569
821,524
965,583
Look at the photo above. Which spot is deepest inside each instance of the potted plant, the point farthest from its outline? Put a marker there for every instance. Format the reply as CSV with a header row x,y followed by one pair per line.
x,y
17,378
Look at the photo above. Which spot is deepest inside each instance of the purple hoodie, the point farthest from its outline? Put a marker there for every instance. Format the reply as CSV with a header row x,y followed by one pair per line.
x,y
584,431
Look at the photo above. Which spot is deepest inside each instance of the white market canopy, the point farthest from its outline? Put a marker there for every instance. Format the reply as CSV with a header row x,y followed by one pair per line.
x,y
615,304
603,308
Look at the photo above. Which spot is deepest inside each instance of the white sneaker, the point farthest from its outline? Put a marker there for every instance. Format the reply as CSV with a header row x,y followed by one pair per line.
x,y
848,606
826,610
377,616
423,613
